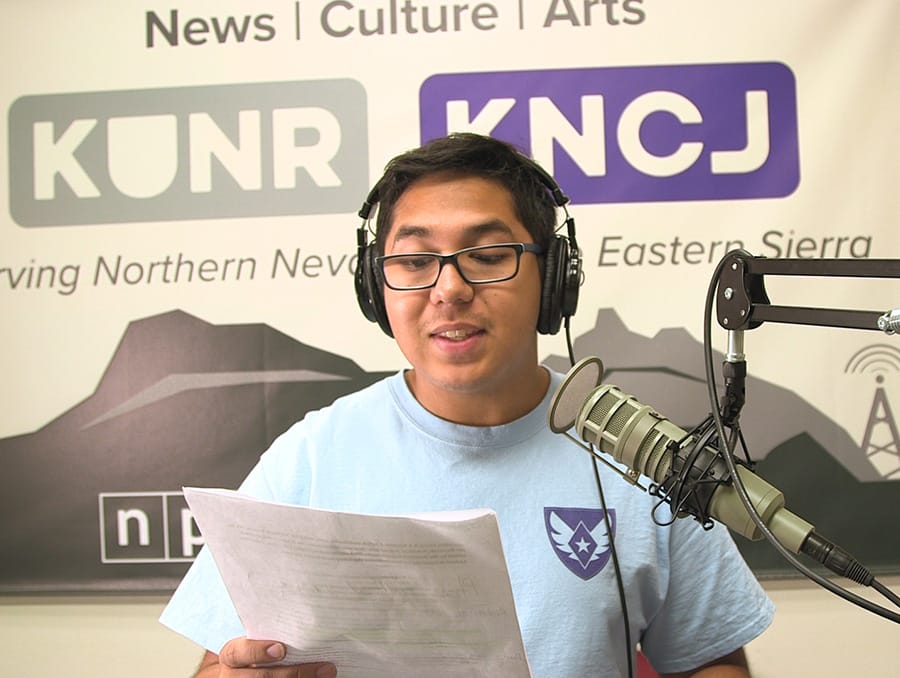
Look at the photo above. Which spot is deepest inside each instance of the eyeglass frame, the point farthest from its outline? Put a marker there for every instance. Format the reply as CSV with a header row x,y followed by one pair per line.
x,y
520,248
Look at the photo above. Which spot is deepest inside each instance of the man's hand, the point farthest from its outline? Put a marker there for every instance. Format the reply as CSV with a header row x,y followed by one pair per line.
x,y
245,658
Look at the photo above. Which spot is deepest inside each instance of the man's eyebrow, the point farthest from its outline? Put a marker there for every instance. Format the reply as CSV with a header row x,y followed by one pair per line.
x,y
410,232
473,230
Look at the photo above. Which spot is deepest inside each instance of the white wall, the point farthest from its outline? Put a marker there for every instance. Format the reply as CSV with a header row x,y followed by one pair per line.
x,y
815,633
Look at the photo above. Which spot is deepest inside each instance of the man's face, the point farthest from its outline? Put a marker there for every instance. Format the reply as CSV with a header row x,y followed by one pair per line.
x,y
465,339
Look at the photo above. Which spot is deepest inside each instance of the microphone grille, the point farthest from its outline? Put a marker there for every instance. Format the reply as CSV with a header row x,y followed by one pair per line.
x,y
644,446
620,416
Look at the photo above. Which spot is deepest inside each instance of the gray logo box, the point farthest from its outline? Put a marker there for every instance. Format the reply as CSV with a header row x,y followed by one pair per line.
x,y
212,151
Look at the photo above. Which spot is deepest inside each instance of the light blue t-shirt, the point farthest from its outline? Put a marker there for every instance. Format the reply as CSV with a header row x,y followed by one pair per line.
x,y
690,596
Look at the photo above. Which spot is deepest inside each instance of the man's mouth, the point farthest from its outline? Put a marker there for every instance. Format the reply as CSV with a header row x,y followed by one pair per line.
x,y
457,335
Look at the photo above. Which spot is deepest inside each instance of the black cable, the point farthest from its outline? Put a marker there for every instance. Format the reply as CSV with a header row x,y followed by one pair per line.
x,y
569,343
629,648
615,560
886,592
739,485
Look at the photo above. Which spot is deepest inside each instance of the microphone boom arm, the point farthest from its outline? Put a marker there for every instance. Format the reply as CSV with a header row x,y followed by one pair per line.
x,y
742,302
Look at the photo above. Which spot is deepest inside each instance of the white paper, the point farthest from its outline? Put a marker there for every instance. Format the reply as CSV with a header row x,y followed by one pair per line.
x,y
380,596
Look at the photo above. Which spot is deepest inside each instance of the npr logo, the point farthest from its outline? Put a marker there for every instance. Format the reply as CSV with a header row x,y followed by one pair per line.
x,y
635,134
262,149
153,527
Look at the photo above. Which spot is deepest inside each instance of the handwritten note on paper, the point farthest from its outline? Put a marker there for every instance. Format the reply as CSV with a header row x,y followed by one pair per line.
x,y
380,596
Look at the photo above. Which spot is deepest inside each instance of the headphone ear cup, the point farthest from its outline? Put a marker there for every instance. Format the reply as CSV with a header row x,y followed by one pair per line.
x,y
571,281
562,278
363,287
368,291
555,263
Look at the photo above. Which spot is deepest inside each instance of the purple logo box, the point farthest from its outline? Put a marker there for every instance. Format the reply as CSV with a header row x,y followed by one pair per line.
x,y
636,133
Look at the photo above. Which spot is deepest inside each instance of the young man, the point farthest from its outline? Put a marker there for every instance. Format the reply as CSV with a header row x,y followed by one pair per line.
x,y
466,426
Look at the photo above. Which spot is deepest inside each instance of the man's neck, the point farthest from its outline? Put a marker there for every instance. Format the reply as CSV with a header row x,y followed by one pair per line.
x,y
483,406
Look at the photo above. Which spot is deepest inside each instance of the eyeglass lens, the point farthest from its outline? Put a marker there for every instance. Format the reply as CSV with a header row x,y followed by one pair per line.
x,y
477,265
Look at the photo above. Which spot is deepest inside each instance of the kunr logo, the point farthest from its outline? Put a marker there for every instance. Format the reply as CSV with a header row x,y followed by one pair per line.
x,y
635,134
262,149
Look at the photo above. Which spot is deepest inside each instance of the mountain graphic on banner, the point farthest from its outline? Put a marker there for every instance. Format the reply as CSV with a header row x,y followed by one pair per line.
x,y
182,402
186,402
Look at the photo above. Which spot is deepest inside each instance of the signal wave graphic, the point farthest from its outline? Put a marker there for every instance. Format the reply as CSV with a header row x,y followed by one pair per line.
x,y
881,440
876,358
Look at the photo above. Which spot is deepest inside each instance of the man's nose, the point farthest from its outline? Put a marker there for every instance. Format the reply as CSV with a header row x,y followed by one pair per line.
x,y
451,286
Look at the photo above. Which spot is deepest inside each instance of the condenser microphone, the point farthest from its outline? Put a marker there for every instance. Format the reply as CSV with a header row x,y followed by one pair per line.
x,y
690,473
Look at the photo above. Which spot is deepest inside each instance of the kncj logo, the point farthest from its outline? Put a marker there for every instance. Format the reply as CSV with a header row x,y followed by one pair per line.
x,y
259,149
635,134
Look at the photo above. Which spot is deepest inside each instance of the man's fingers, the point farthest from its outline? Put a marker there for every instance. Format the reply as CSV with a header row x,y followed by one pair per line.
x,y
241,652
244,653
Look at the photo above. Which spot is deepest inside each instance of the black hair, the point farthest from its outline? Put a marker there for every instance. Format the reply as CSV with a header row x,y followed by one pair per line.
x,y
469,154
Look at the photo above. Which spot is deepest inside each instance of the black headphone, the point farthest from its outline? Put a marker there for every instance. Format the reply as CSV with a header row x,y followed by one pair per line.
x,y
562,267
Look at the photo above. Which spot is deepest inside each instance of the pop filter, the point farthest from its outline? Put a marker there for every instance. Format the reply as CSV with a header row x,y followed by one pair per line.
x,y
584,376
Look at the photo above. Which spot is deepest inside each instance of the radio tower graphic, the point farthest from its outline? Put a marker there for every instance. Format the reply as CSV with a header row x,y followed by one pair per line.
x,y
881,440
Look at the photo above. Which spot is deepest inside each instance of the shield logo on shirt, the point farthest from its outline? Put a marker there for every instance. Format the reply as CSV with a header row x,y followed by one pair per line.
x,y
579,538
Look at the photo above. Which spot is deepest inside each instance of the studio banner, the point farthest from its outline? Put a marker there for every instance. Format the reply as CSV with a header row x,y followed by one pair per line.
x,y
178,238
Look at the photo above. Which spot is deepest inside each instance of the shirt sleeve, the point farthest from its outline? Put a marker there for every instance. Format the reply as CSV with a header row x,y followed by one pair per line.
x,y
201,608
713,604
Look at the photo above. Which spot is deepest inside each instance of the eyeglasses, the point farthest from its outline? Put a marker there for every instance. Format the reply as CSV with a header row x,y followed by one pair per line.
x,y
476,265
